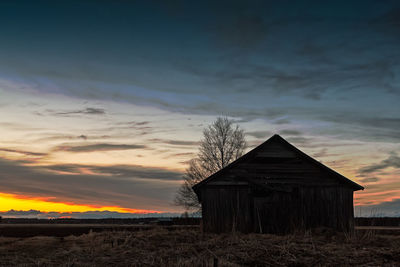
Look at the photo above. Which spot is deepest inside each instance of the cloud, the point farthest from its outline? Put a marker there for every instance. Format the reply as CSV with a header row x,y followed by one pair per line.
x,y
369,180
389,22
63,137
140,127
98,147
357,125
27,153
134,187
175,142
290,132
185,154
138,172
86,111
320,154
281,121
392,161
299,140
259,134
235,81
66,168
242,31
380,122
82,136
125,171
134,123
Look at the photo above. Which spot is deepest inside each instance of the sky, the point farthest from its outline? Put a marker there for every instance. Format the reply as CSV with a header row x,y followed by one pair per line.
x,y
103,103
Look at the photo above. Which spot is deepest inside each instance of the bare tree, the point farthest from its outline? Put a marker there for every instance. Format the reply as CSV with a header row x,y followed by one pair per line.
x,y
222,143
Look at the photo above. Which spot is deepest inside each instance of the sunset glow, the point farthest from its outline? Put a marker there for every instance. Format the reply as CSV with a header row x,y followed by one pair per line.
x,y
14,202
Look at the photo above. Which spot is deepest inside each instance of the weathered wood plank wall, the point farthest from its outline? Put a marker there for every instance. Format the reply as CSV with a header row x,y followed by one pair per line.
x,y
226,209
238,208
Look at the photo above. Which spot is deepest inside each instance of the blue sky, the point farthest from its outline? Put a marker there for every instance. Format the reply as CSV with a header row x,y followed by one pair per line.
x,y
131,84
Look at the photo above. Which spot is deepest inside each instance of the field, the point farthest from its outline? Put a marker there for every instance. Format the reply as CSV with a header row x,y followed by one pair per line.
x,y
63,230
188,246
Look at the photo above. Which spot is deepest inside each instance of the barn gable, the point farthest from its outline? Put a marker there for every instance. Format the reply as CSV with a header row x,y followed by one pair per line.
x,y
276,163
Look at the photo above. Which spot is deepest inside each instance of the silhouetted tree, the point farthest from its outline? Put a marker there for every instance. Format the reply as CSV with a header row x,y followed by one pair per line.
x,y
222,143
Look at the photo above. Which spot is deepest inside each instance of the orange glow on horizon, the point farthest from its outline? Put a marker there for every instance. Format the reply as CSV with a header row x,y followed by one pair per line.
x,y
17,202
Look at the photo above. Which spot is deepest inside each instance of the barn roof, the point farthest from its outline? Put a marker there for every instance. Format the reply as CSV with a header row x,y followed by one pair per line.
x,y
264,147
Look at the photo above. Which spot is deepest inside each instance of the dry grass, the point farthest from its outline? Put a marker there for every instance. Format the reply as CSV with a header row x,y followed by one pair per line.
x,y
160,247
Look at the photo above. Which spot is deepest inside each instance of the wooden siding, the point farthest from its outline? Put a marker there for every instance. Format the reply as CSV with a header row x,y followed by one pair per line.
x,y
226,209
303,208
245,209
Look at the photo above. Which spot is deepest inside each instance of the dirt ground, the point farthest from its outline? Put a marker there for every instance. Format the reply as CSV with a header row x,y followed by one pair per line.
x,y
190,247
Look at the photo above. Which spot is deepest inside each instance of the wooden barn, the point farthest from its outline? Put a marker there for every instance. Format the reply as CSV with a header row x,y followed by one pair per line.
x,y
276,188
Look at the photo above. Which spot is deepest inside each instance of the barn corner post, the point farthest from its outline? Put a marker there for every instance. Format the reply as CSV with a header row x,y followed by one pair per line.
x,y
349,228
276,188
